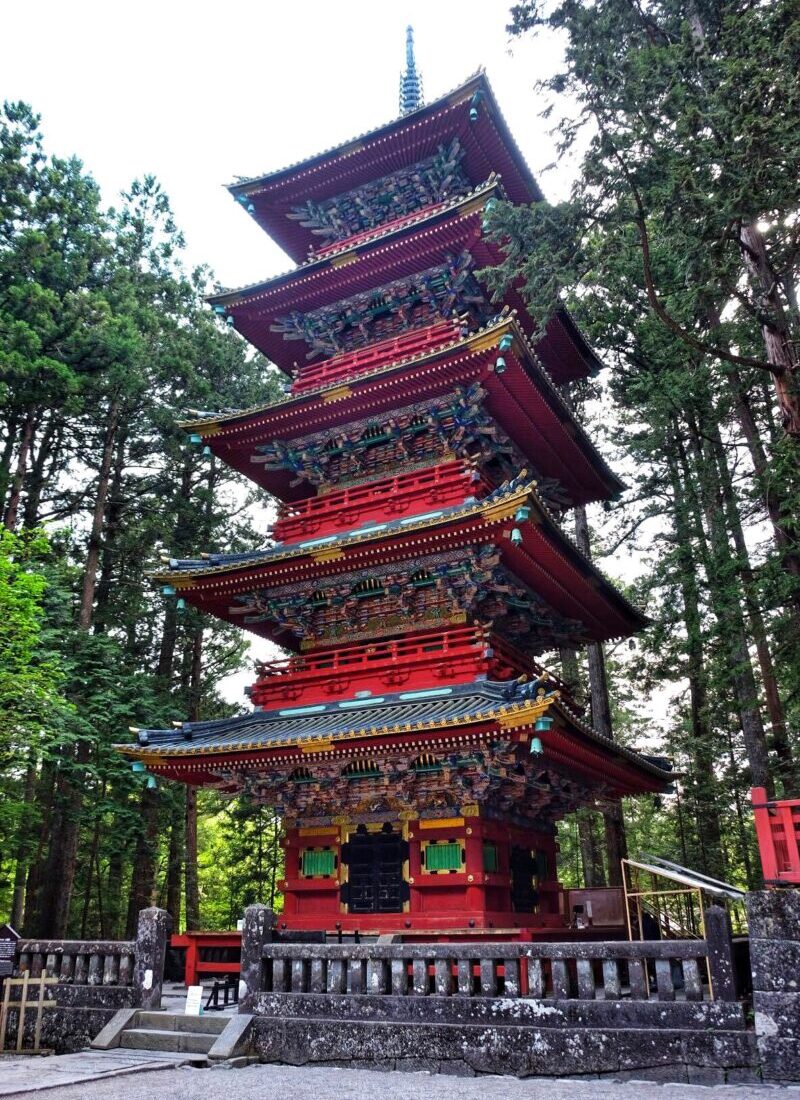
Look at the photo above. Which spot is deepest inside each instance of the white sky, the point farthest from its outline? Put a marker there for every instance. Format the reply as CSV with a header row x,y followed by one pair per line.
x,y
200,93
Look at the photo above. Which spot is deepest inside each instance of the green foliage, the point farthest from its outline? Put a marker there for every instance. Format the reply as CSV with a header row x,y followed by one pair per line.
x,y
104,341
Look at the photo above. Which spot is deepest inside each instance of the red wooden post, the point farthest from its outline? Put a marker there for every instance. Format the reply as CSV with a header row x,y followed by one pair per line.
x,y
190,971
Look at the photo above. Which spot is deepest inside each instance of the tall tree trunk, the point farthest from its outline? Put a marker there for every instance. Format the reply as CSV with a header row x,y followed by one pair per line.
x,y
591,859
7,453
190,868
38,477
191,885
45,798
774,326
23,845
98,516
15,491
144,859
175,857
701,744
780,739
785,530
113,521
727,610
62,858
87,888
113,909
613,819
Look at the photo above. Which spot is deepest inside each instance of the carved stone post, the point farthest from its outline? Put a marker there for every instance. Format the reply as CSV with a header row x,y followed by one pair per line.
x,y
258,922
720,953
152,935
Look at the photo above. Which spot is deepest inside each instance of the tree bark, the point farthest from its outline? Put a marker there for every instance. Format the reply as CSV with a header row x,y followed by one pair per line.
x,y
785,532
190,869
45,798
175,857
600,705
113,520
37,477
23,846
191,886
591,859
113,907
144,860
15,491
98,515
728,612
701,744
780,738
774,326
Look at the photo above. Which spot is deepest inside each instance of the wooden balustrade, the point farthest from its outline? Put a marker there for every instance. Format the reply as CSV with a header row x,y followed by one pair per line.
x,y
348,365
647,970
79,962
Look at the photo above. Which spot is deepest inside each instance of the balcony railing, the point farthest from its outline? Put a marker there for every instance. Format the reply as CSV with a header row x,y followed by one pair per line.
x,y
348,365
379,501
457,655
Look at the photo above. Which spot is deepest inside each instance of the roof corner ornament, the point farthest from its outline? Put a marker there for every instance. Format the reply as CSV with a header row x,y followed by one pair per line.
x,y
410,80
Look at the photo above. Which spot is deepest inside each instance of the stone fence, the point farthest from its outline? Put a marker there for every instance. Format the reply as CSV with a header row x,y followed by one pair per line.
x,y
82,962
690,970
561,971
664,1009
96,978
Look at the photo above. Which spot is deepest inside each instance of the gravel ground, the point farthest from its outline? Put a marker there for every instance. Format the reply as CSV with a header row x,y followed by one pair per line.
x,y
289,1083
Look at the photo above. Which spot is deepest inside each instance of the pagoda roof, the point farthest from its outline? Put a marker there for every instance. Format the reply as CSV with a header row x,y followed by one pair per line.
x,y
546,559
317,727
488,147
526,402
394,253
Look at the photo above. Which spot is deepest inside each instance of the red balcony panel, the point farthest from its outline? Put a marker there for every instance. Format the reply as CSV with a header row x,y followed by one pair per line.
x,y
381,501
778,832
418,661
347,365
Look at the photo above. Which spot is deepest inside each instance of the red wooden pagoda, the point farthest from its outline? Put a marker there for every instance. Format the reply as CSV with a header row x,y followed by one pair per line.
x,y
423,458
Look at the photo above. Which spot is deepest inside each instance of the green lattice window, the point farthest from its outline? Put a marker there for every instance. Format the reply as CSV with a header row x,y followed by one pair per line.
x,y
491,861
318,862
444,855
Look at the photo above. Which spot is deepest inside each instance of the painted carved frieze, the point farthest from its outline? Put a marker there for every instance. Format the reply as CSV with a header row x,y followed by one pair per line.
x,y
447,290
393,196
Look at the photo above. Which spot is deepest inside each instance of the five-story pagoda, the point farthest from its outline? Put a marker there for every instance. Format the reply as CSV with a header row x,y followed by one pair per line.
x,y
422,457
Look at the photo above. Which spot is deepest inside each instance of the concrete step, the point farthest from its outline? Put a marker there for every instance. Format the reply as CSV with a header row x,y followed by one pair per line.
x,y
179,1021
183,1042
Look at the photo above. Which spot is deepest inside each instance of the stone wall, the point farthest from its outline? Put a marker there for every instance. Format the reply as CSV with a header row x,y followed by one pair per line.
x,y
702,1043
774,920
94,980
644,1009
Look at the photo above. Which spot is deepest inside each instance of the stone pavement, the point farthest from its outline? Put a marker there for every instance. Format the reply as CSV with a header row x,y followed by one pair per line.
x,y
23,1074
304,1083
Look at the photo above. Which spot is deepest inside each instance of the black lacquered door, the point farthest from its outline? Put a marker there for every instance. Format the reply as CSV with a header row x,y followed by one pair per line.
x,y
375,871
523,867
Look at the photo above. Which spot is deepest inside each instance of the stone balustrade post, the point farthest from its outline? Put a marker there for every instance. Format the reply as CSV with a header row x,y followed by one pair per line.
x,y
152,936
258,923
774,920
720,953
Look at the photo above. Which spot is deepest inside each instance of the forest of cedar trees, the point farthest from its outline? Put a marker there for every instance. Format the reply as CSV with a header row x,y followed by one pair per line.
x,y
677,252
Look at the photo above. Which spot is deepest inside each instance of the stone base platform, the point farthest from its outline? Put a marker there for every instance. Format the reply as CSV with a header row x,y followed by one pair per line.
x,y
695,1043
